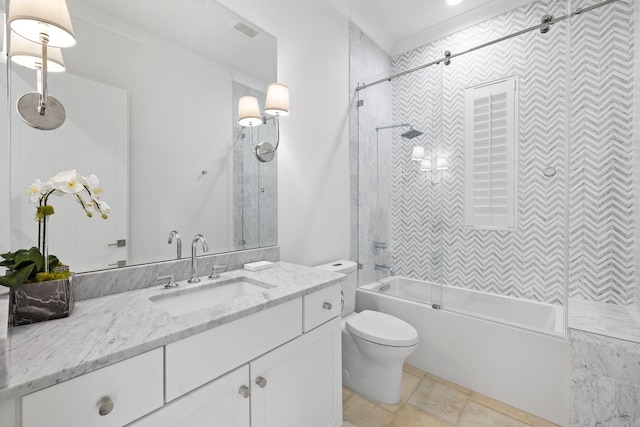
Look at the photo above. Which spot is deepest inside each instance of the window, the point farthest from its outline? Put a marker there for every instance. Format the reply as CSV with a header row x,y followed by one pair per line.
x,y
490,153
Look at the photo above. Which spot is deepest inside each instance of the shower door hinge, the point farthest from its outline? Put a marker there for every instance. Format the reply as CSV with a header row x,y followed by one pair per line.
x,y
360,102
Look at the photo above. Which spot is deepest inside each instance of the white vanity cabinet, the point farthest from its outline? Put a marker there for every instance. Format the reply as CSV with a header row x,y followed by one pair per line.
x,y
291,379
295,385
277,367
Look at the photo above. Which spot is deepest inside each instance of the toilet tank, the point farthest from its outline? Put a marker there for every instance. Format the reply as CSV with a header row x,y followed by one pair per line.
x,y
350,283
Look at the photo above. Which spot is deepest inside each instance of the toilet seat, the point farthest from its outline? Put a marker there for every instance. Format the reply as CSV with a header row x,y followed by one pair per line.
x,y
382,328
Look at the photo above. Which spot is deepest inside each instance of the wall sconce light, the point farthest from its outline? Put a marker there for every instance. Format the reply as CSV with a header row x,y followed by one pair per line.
x,y
48,24
442,163
426,165
417,153
277,104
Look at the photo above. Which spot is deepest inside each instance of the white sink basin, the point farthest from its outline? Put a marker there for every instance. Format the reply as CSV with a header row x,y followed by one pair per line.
x,y
206,296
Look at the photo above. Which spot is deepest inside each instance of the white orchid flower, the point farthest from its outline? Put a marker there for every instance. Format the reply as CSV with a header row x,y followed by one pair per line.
x,y
103,207
35,191
68,182
93,183
86,191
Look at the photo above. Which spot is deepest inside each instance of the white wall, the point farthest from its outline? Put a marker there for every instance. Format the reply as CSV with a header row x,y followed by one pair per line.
x,y
167,189
313,159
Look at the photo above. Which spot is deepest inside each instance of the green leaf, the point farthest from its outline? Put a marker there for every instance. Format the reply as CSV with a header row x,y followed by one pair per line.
x,y
53,262
17,278
8,256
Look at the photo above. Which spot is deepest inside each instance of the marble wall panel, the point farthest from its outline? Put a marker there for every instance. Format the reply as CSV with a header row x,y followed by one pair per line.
x,y
605,381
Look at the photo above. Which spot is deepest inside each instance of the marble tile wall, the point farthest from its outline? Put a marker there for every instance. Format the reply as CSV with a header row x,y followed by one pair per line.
x,y
370,154
255,214
605,380
108,282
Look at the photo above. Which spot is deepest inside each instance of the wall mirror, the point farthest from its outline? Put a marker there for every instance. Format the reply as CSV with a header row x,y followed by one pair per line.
x,y
150,93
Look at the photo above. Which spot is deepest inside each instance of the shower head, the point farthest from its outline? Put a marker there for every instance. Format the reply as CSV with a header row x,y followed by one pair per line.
x,y
411,133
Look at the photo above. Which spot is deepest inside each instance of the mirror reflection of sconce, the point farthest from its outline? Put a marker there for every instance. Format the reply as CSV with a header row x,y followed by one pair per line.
x,y
46,25
276,105
426,164
417,153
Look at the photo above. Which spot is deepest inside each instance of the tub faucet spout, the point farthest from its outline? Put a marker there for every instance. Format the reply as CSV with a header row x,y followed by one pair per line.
x,y
385,268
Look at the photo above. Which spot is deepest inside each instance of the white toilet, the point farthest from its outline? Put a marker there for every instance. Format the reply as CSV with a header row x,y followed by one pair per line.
x,y
374,344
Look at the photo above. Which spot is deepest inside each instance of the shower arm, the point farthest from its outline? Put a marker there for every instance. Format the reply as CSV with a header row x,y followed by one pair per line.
x,y
394,126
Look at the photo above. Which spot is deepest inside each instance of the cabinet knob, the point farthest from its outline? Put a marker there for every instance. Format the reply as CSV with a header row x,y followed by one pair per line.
x,y
261,381
245,391
105,406
327,306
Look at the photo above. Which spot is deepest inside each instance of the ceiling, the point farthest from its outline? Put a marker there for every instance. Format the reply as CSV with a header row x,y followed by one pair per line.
x,y
401,25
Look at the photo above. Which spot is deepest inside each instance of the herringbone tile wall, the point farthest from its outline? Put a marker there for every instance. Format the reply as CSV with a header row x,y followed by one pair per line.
x,y
576,107
601,218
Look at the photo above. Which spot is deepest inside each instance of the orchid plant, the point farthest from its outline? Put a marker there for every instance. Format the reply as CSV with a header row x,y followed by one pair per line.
x,y
86,190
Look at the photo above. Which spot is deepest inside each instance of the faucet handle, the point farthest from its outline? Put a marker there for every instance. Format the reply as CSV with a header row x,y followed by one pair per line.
x,y
216,270
171,284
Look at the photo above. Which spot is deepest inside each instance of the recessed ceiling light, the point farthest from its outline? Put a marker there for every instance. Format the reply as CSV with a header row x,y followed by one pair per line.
x,y
453,2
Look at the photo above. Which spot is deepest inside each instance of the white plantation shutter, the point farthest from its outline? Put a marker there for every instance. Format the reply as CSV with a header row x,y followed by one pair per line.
x,y
490,129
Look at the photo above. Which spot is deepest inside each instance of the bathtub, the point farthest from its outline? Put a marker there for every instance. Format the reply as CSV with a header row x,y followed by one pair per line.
x,y
532,315
508,349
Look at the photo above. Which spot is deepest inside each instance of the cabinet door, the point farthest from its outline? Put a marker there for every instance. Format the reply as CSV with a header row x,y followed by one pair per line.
x,y
216,404
299,384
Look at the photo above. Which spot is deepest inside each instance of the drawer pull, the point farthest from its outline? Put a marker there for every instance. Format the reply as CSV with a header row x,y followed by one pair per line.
x,y
327,306
261,381
245,391
105,406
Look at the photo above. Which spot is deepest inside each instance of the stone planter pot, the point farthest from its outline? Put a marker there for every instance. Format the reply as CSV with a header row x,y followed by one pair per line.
x,y
37,302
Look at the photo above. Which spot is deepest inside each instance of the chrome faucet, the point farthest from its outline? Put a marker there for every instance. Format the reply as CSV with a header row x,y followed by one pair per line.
x,y
175,234
385,268
194,250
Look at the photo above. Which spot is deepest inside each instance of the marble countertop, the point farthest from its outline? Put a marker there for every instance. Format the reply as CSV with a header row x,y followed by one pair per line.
x,y
106,330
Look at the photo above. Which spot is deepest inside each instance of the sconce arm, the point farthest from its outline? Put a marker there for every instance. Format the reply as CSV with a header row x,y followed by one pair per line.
x,y
42,107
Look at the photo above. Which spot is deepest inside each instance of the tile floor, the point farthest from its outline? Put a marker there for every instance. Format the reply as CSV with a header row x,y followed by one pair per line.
x,y
431,401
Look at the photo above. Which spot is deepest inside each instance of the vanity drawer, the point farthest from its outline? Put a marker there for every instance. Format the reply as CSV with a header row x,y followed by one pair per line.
x,y
196,360
134,386
321,306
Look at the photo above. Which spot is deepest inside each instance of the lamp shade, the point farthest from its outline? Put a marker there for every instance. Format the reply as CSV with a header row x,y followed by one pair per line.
x,y
29,18
442,163
248,111
29,54
277,100
417,153
425,164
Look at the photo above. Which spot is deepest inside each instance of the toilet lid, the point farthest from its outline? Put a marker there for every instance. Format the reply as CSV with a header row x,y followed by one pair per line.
x,y
382,328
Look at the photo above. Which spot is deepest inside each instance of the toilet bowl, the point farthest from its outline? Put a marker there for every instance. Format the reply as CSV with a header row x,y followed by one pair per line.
x,y
375,345
374,348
